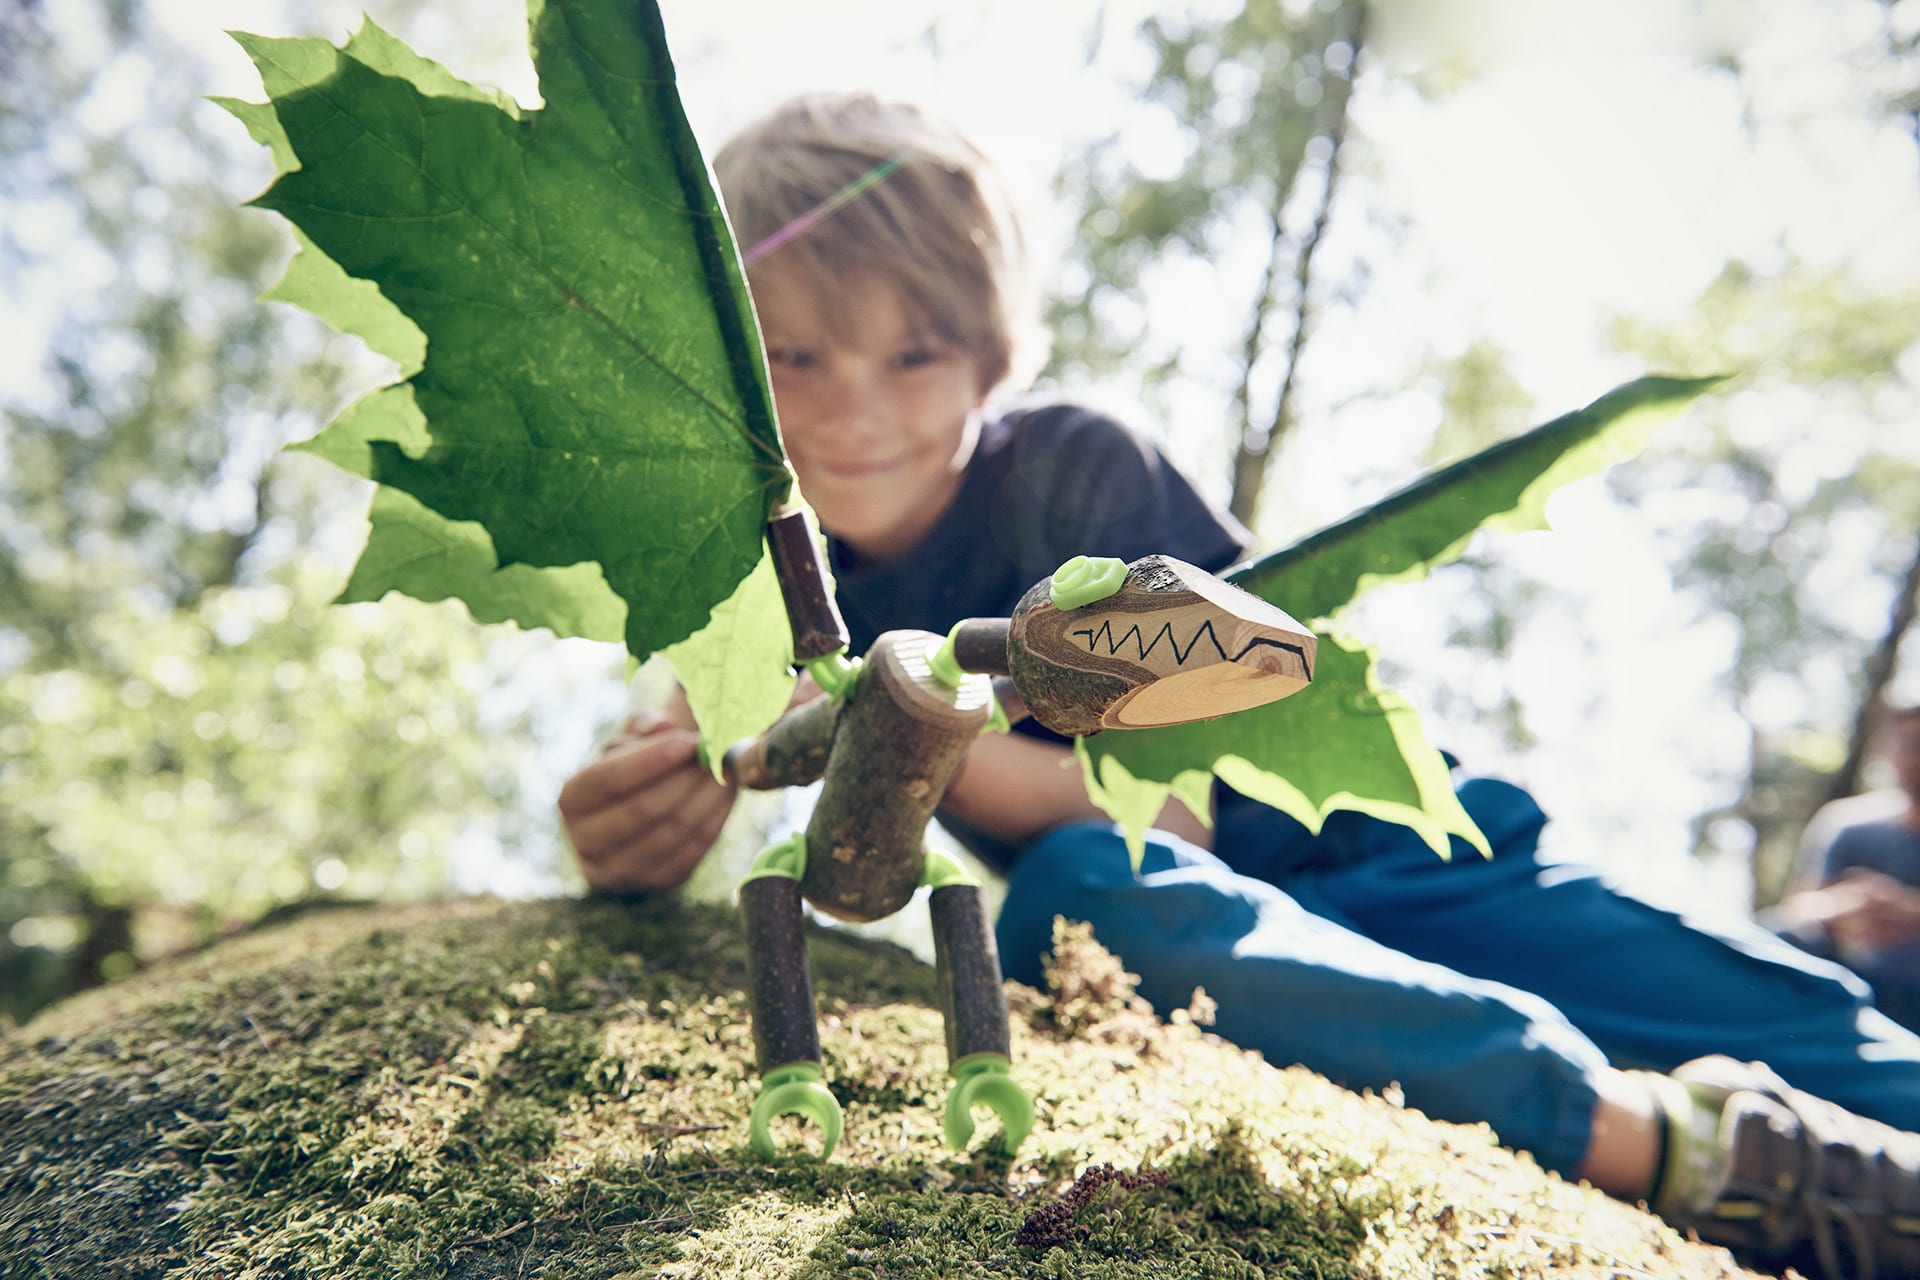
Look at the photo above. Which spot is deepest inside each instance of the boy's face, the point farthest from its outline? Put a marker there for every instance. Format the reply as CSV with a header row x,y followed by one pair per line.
x,y
880,422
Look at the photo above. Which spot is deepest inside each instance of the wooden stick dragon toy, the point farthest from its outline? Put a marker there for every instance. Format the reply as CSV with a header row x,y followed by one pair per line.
x,y
1099,644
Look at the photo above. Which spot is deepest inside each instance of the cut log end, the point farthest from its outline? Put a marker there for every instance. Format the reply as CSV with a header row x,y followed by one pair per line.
x,y
1174,644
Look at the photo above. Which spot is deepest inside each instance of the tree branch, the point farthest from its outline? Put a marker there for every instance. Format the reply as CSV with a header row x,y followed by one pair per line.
x,y
1250,459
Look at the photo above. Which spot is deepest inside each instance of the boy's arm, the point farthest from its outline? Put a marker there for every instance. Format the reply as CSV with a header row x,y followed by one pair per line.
x,y
1016,788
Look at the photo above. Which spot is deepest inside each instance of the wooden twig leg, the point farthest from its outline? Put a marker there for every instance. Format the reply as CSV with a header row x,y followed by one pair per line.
x,y
786,1031
975,1005
968,960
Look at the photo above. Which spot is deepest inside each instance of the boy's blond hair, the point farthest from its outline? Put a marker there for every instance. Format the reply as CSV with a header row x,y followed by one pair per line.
x,y
933,219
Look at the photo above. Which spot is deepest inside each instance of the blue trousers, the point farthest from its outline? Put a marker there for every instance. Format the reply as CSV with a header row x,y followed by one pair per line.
x,y
1488,989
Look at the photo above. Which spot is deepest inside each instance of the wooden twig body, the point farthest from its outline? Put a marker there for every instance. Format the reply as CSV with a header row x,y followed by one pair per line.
x,y
897,743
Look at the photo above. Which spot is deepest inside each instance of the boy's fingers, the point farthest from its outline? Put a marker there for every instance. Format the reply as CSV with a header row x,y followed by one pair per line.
x,y
665,850
638,725
659,814
626,767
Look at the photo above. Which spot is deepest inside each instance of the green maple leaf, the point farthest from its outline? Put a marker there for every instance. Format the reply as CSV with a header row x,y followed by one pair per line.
x,y
1505,486
584,439
1344,742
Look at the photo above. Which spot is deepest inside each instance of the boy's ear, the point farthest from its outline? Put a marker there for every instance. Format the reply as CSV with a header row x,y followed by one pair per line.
x,y
982,388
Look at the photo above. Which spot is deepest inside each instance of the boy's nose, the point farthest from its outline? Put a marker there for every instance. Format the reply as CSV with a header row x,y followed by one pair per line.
x,y
853,405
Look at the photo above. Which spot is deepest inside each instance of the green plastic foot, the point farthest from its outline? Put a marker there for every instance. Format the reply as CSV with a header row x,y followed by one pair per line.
x,y
983,1080
795,1090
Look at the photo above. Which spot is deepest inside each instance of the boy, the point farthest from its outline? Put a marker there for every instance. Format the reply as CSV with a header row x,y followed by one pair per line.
x,y
889,316
1860,904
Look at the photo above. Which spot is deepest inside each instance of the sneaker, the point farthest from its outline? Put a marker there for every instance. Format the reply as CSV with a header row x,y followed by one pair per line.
x,y
1803,1179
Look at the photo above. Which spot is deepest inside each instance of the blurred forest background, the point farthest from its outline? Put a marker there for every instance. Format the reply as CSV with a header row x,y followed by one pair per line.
x,y
1319,246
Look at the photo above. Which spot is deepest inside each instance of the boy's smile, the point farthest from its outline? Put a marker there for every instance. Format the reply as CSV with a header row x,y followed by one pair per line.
x,y
879,413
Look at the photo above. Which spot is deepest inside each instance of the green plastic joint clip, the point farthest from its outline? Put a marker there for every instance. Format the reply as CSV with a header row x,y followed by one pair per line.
x,y
984,1080
835,673
946,668
1085,580
795,1090
997,721
943,871
782,858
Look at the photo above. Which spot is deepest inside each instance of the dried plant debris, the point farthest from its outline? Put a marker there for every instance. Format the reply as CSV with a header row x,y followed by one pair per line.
x,y
1090,994
1059,1223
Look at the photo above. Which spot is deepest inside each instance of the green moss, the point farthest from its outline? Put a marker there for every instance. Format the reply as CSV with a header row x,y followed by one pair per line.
x,y
479,1089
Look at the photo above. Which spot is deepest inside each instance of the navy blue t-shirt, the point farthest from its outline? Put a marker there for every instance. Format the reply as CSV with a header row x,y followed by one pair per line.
x,y
1045,484
1891,848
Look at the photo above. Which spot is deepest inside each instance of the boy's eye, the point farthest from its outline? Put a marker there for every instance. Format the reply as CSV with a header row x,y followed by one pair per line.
x,y
915,358
788,358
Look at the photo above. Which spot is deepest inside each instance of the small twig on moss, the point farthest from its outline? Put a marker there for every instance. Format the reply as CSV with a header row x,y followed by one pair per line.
x,y
1058,1223
680,1221
626,997
258,1034
475,1241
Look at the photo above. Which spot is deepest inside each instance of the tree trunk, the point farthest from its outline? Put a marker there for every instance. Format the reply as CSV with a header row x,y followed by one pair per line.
x,y
1256,445
1879,673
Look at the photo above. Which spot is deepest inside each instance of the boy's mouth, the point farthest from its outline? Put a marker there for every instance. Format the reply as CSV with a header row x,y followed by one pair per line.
x,y
863,469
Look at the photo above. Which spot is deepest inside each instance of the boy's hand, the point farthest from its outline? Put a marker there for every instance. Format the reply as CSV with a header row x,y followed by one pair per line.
x,y
1871,911
644,813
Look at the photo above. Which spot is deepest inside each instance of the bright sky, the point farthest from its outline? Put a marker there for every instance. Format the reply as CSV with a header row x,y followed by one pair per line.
x,y
1593,167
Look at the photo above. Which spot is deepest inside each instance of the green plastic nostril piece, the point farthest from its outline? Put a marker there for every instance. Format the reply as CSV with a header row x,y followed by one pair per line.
x,y
1084,580
795,1090
983,1080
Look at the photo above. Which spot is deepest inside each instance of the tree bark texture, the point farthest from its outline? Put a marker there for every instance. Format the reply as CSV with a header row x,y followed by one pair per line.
x,y
785,1026
901,737
792,753
818,629
1173,644
967,960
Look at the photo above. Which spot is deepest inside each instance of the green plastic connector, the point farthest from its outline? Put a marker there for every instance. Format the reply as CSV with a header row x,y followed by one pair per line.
x,y
795,1090
946,668
997,721
835,674
1084,580
782,858
941,870
984,1080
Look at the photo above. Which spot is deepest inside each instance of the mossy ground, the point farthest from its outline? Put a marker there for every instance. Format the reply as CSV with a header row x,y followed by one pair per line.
x,y
559,1089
